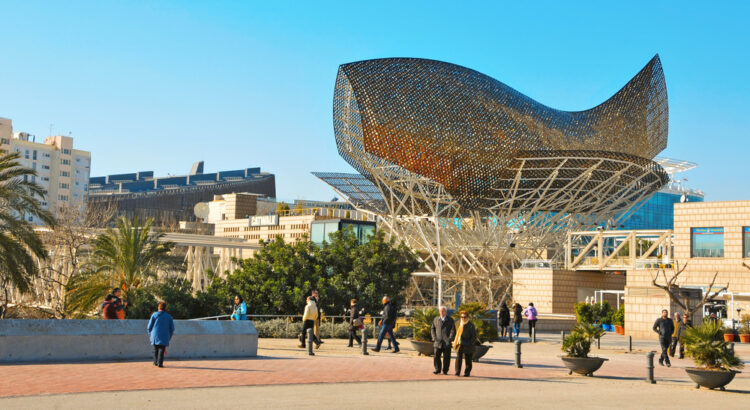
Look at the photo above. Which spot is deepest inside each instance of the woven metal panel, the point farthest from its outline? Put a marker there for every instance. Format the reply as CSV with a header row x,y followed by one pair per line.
x,y
467,131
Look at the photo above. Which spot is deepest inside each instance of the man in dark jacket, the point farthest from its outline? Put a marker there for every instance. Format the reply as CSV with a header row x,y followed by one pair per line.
x,y
387,324
664,327
443,332
504,319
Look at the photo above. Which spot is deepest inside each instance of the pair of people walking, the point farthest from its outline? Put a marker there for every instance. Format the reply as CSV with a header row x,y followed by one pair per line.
x,y
446,335
309,319
670,333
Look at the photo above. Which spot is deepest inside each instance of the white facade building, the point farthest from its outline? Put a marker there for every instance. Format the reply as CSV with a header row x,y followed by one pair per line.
x,y
61,170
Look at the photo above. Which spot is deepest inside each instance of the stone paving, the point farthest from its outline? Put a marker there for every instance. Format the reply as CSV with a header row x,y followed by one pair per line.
x,y
280,362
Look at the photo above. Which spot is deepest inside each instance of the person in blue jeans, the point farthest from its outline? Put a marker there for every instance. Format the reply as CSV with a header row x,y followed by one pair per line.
x,y
388,322
517,318
160,330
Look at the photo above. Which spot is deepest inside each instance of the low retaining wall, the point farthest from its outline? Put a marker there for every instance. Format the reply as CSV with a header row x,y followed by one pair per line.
x,y
80,340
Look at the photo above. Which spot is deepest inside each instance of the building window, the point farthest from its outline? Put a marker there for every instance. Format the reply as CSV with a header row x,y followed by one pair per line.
x,y
26,154
34,155
46,154
62,197
64,173
66,151
746,242
707,242
65,162
45,166
4,141
45,179
64,186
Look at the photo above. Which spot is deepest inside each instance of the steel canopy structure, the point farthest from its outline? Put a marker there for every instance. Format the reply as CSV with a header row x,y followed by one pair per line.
x,y
476,177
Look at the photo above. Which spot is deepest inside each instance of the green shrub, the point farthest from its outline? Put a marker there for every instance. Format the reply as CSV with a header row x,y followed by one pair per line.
x,y
278,328
404,332
421,323
578,342
583,313
619,316
706,346
479,316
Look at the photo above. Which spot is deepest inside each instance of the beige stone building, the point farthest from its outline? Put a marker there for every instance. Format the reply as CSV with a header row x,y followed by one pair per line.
x,y
708,238
62,170
234,216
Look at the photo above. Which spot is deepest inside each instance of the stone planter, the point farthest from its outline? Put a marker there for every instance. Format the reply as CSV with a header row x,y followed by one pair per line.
x,y
423,348
745,338
479,351
585,366
711,379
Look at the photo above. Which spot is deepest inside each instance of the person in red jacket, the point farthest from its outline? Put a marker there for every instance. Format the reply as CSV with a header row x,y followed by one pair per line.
x,y
109,311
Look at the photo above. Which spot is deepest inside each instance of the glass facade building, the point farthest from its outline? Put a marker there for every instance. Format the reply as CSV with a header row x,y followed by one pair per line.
x,y
657,212
320,230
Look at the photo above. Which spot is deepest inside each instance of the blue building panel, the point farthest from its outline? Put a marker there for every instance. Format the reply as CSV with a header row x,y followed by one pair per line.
x,y
657,212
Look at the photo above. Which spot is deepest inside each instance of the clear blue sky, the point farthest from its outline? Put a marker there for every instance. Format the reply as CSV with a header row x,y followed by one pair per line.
x,y
156,85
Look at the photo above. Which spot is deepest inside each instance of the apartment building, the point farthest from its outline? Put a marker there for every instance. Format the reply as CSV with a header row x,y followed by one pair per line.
x,y
62,170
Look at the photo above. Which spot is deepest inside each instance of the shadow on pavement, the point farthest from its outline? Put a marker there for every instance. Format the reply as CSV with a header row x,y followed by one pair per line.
x,y
223,369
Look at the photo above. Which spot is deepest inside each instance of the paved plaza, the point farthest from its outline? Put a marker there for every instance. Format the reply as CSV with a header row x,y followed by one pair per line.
x,y
283,376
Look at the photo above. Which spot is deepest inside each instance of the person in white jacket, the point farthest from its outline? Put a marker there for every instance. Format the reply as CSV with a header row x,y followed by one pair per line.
x,y
308,321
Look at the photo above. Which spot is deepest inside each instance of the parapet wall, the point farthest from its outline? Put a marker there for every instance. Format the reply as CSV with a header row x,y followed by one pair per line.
x,y
81,340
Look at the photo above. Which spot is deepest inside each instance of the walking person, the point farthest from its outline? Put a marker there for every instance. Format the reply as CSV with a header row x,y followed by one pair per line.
x,y
316,298
443,332
531,315
682,328
160,330
239,312
517,318
108,308
504,319
355,323
677,322
387,324
308,321
466,337
664,327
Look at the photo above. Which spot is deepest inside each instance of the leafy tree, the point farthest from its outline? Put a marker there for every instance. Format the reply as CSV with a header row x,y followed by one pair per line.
x,y
127,257
177,293
20,246
278,278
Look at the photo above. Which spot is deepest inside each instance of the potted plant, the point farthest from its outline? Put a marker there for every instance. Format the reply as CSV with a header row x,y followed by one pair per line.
x,y
728,334
715,360
480,316
618,320
421,323
577,346
745,329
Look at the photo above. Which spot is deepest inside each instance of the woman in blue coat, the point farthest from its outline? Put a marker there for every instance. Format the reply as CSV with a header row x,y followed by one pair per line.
x,y
160,330
240,309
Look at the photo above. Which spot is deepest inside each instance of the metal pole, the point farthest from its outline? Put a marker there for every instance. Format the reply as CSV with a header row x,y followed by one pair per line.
x,y
598,342
310,339
562,336
533,335
650,367
630,343
518,354
510,336
364,341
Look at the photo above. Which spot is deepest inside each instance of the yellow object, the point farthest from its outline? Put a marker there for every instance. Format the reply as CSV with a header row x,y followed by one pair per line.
x,y
457,340
311,312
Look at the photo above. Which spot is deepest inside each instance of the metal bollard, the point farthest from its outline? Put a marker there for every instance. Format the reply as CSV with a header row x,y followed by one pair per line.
x,y
630,343
364,341
310,341
650,367
562,336
518,354
533,335
510,336
598,342
731,347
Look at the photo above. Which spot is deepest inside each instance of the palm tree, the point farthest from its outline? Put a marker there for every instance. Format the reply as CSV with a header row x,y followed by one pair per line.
x,y
127,256
20,246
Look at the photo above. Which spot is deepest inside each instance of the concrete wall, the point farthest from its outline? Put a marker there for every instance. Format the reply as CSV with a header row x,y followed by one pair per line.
x,y
80,340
